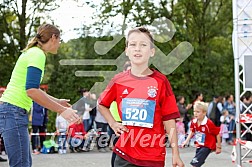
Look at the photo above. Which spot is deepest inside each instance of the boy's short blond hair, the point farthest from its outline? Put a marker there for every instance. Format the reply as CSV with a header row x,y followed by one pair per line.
x,y
200,105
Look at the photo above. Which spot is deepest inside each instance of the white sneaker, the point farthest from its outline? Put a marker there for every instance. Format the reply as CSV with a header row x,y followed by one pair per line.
x,y
60,151
64,151
3,153
36,152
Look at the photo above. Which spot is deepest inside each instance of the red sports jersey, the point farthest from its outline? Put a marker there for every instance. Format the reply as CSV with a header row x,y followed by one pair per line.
x,y
143,104
77,130
205,133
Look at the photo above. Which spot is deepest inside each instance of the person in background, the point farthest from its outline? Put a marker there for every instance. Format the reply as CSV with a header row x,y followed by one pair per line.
x,y
224,119
198,97
83,106
211,104
214,110
229,105
2,149
183,110
39,121
77,136
205,133
93,106
181,131
22,89
61,128
245,110
102,126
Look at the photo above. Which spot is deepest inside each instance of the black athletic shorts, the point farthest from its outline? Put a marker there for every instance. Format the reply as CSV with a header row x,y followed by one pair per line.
x,y
200,157
120,162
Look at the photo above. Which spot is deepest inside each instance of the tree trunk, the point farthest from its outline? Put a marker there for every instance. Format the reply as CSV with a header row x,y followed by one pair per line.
x,y
22,24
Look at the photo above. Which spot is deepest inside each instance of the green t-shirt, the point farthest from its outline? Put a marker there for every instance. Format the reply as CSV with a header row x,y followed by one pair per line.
x,y
114,111
16,93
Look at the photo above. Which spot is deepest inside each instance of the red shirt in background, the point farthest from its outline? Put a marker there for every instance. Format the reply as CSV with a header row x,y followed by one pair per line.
x,y
205,134
77,130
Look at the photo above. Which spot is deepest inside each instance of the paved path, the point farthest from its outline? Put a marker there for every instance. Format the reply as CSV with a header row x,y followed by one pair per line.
x,y
97,159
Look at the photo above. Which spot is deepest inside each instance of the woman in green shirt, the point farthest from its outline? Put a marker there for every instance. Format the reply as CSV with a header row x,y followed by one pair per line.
x,y
22,89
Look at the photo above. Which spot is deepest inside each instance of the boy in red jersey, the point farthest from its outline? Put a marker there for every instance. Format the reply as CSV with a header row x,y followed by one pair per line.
x,y
146,105
205,132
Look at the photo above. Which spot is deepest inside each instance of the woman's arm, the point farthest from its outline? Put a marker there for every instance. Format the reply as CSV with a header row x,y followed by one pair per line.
x,y
44,100
63,102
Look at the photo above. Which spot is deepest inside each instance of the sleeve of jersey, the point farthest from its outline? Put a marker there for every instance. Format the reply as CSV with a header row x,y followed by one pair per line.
x,y
192,127
33,78
108,95
37,59
169,107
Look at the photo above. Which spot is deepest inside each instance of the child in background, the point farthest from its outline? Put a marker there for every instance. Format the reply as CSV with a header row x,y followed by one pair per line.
x,y
180,131
61,127
205,132
77,136
224,119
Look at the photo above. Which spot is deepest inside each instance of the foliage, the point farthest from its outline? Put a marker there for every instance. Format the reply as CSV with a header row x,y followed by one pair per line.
x,y
208,28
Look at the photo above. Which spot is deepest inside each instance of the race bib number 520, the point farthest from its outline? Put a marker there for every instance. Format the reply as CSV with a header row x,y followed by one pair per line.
x,y
138,112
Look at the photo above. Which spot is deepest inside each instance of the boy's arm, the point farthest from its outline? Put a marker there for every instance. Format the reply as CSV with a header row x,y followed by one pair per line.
x,y
170,127
188,138
218,144
117,127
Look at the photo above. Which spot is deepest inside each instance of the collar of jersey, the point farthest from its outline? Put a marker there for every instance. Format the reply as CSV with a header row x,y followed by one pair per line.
x,y
203,122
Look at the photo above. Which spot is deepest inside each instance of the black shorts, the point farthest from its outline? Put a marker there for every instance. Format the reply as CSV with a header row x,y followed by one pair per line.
x,y
200,157
120,162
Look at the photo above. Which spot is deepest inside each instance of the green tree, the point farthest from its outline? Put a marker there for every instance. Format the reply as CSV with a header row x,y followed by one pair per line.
x,y
18,22
208,27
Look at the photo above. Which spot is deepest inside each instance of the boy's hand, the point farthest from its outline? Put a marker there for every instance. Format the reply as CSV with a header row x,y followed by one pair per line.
x,y
119,128
218,150
183,144
177,162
